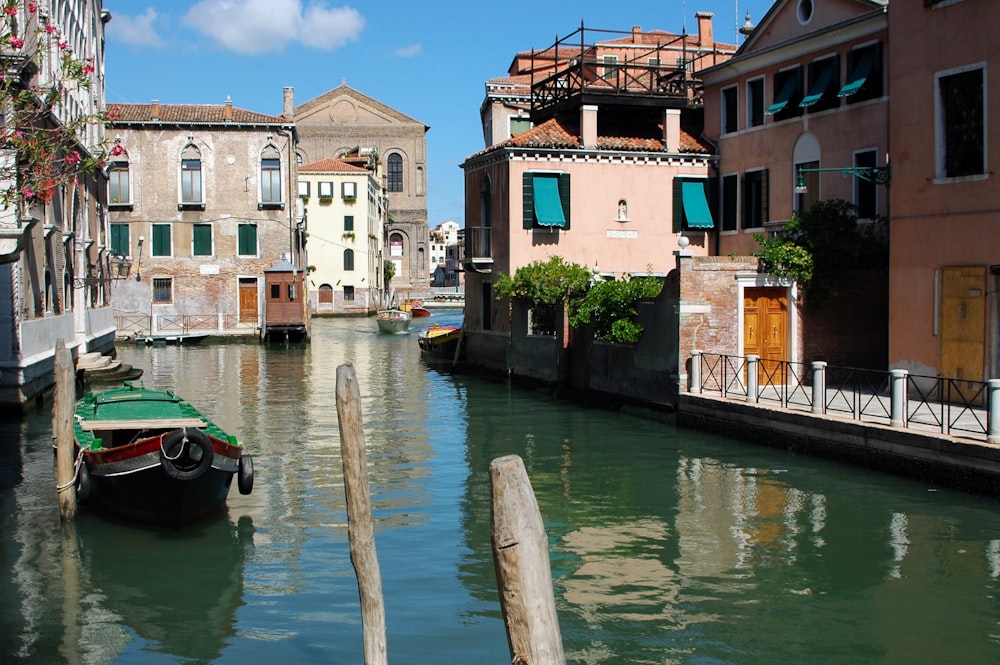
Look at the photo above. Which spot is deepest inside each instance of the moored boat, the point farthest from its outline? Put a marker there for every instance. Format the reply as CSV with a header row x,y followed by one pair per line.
x,y
415,308
151,456
392,320
440,341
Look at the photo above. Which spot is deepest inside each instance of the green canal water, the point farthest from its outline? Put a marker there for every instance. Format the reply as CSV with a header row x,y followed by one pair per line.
x,y
667,546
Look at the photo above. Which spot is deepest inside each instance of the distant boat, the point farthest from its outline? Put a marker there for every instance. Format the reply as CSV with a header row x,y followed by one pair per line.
x,y
415,308
150,456
440,341
392,320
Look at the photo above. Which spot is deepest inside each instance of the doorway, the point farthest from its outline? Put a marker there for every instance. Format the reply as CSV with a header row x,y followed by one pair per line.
x,y
765,327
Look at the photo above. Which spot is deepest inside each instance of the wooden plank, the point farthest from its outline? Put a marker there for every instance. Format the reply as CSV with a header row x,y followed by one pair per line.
x,y
166,423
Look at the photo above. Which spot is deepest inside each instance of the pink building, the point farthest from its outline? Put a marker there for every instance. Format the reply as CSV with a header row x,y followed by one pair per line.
x,y
945,243
611,173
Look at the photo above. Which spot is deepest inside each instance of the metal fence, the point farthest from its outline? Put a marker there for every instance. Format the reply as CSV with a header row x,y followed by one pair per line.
x,y
895,397
143,324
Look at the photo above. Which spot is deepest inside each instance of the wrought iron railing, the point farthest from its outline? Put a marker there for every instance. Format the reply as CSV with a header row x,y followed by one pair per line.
x,y
895,397
130,323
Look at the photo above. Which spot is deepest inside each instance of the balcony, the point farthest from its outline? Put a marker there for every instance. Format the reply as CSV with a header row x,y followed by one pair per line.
x,y
478,251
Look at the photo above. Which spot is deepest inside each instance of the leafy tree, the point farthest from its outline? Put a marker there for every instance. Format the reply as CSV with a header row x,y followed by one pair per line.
x,y
610,306
547,286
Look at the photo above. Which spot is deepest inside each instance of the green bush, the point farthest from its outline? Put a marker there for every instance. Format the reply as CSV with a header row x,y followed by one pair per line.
x,y
610,307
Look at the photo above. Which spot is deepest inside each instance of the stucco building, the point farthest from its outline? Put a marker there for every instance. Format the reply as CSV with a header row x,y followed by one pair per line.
x,y
342,122
55,271
202,201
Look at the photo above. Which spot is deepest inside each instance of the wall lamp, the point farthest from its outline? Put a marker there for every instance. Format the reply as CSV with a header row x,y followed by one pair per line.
x,y
138,263
876,174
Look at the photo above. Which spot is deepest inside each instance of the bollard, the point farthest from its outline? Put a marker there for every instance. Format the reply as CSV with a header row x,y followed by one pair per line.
x,y
63,405
993,411
897,411
819,387
694,385
753,364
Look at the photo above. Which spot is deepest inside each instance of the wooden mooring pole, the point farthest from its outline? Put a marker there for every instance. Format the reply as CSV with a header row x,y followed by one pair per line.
x,y
360,525
63,405
524,577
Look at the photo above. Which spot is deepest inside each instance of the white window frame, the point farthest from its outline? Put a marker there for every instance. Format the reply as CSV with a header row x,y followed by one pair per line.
x,y
325,189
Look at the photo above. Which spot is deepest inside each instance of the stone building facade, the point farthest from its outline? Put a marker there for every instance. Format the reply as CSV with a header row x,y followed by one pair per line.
x,y
345,122
202,201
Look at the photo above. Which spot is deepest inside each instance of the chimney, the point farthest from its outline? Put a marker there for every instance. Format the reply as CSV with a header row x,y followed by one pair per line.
x,y
588,126
705,37
228,112
154,110
289,103
636,32
672,129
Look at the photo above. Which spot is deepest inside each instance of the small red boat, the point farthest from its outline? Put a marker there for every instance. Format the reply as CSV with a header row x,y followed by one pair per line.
x,y
415,308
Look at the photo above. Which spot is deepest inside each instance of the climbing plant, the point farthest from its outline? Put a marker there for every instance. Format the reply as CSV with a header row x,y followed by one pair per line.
x,y
547,286
611,308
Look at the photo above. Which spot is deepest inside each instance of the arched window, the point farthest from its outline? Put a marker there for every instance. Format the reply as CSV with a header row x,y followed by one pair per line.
x,y
191,182
325,294
348,259
394,172
270,175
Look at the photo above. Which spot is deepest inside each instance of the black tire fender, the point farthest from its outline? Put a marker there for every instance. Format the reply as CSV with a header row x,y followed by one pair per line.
x,y
83,484
186,454
244,477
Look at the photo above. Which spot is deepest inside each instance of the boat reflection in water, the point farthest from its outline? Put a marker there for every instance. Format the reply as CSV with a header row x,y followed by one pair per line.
x,y
177,588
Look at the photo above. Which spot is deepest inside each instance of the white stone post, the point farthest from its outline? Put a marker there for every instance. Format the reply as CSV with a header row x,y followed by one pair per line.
x,y
753,363
694,385
819,387
993,411
898,406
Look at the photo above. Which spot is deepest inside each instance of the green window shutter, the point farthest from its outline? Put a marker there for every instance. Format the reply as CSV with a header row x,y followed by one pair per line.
x,y
564,198
678,216
348,222
765,212
202,240
119,239
161,240
528,200
247,240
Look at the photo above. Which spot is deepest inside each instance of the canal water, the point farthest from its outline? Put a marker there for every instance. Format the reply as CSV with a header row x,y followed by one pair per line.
x,y
667,545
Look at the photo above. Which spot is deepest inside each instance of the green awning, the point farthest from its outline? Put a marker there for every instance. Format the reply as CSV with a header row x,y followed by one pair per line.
x,y
819,86
696,210
548,205
784,95
862,69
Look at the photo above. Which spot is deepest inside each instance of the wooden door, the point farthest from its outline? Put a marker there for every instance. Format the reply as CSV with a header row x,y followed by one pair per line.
x,y
248,300
765,328
963,323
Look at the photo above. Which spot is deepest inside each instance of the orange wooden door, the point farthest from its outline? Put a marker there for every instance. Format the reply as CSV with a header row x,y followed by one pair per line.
x,y
248,300
963,323
765,327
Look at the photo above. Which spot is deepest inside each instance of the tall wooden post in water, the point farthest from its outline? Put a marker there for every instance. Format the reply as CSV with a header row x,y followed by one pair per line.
x,y
524,577
360,526
63,404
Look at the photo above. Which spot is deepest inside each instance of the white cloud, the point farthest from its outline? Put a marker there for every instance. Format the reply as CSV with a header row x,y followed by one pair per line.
x,y
267,26
408,51
135,30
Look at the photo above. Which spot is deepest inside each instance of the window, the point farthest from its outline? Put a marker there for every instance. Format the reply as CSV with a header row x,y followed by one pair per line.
x,y
348,293
325,292
120,239
191,176
481,243
161,240
348,259
247,240
201,240
162,290
304,189
730,102
348,190
270,176
961,111
865,191
545,200
729,201
348,222
519,125
864,74
610,65
788,94
118,184
326,190
394,172
823,81
396,245
755,103
691,210
755,211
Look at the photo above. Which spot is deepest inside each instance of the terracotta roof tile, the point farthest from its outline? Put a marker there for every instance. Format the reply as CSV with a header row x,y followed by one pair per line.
x,y
561,133
331,165
189,114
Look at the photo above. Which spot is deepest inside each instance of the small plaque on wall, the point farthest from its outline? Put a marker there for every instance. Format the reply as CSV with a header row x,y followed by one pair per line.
x,y
616,233
210,270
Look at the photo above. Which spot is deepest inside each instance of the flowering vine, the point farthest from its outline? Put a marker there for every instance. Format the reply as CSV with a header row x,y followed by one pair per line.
x,y
49,154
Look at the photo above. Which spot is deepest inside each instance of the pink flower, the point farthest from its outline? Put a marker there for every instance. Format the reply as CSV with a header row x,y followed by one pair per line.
x,y
63,45
49,28
72,157
88,69
29,192
16,42
10,11
32,7
117,149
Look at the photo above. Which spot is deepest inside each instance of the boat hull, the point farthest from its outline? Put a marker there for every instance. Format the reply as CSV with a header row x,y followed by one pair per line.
x,y
440,341
393,321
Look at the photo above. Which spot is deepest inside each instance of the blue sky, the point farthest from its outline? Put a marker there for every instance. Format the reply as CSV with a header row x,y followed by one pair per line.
x,y
428,60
